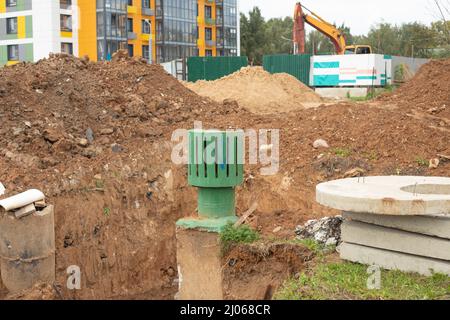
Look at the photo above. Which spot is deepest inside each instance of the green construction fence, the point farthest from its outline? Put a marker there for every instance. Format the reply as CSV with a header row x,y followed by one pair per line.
x,y
213,68
295,65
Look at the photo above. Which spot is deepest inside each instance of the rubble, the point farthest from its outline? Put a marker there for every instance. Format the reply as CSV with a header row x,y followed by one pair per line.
x,y
325,231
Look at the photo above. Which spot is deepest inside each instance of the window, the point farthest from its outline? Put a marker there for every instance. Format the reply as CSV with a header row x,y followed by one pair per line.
x,y
146,52
67,47
208,53
208,12
13,52
66,22
130,25
146,26
11,25
65,4
208,34
130,2
130,50
11,3
146,4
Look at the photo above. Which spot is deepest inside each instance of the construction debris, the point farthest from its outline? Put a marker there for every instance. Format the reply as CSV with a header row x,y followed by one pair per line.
x,y
326,230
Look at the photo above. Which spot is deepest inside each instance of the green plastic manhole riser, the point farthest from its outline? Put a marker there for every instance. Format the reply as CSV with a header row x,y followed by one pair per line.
x,y
215,167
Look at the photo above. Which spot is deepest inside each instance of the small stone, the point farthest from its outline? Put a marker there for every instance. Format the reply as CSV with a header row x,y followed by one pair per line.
x,y
83,142
107,131
25,211
277,229
434,163
98,177
28,124
320,143
356,172
90,135
2,189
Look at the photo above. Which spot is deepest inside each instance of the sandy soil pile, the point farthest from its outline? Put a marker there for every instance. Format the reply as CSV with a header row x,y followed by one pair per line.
x,y
428,91
259,91
95,137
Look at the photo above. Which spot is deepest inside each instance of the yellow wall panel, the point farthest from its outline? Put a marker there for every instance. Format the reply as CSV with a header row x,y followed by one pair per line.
x,y
21,28
2,6
87,32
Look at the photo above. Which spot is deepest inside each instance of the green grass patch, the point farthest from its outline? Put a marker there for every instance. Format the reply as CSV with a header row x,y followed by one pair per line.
x,y
342,152
422,162
349,281
242,234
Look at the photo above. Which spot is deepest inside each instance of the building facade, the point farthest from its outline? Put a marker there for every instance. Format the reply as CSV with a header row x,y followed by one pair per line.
x,y
158,30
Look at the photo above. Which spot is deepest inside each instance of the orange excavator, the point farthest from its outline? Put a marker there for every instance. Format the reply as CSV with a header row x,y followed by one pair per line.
x,y
334,34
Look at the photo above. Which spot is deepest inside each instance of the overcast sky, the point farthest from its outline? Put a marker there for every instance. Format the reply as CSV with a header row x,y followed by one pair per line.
x,y
359,15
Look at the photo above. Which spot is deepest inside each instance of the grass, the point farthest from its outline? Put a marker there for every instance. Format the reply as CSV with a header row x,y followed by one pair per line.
x,y
106,211
371,95
421,161
342,152
332,281
242,234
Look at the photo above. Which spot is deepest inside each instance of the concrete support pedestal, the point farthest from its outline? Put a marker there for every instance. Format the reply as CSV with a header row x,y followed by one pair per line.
x,y
199,265
400,223
27,249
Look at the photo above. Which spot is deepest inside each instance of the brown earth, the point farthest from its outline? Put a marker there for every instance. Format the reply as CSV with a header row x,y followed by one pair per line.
x,y
117,198
259,91
255,272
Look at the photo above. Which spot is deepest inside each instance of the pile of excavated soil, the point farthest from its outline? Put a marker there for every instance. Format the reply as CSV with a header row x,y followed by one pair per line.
x,y
259,91
96,138
428,91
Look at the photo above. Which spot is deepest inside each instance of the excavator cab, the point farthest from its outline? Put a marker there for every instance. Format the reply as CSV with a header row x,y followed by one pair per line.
x,y
358,49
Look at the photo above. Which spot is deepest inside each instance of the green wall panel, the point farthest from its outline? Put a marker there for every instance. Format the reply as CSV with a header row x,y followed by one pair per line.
x,y
3,55
295,65
213,68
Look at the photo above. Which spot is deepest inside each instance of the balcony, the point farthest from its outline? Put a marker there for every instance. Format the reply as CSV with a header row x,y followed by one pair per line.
x,y
210,43
210,1
148,12
210,21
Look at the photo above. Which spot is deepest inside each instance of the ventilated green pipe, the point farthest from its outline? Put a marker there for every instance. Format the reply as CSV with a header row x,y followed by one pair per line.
x,y
215,168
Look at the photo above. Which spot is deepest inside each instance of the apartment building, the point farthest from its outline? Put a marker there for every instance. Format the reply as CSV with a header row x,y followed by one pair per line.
x,y
158,30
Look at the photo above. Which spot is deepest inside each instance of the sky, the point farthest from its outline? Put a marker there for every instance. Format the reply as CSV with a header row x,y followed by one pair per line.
x,y
359,15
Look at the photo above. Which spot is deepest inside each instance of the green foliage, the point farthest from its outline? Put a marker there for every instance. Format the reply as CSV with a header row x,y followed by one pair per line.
x,y
106,211
242,234
349,281
342,152
421,161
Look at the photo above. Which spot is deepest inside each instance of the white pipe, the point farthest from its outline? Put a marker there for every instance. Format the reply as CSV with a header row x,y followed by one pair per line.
x,y
22,199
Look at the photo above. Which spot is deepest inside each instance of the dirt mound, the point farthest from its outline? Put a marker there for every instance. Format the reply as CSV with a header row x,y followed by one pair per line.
x,y
95,138
254,272
427,91
259,91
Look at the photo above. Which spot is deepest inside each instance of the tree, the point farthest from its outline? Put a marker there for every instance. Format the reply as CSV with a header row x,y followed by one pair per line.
x,y
253,35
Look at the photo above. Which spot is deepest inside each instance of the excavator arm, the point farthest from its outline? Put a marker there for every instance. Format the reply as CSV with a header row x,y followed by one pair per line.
x,y
335,35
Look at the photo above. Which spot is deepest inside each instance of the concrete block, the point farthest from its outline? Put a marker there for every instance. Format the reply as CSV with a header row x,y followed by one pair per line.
x,y
27,249
392,195
393,260
395,240
341,93
432,226
199,265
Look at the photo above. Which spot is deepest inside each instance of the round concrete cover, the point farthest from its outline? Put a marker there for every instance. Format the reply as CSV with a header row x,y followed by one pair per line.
x,y
393,195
